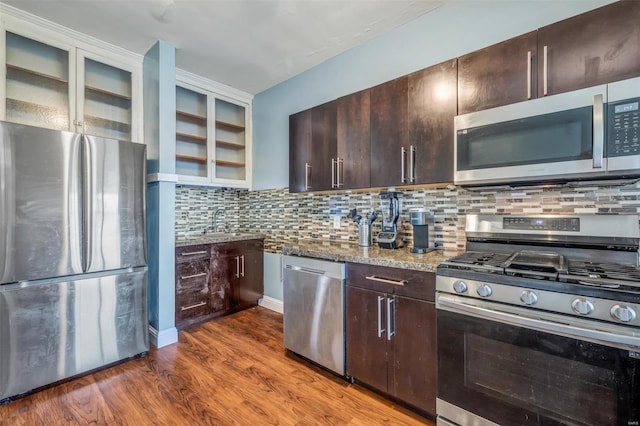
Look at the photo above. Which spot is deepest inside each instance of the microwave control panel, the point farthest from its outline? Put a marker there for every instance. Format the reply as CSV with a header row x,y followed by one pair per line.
x,y
624,127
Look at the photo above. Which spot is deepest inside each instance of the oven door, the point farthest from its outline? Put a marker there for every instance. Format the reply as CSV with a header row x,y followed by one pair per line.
x,y
554,138
506,365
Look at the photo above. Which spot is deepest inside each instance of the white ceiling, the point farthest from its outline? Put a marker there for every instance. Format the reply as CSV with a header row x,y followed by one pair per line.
x,y
251,45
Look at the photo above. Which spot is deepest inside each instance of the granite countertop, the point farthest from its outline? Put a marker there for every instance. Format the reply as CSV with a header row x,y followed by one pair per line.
x,y
351,252
217,237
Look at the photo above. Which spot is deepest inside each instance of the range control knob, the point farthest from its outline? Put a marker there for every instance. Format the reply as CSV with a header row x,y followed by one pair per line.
x,y
623,313
529,297
484,290
582,306
460,286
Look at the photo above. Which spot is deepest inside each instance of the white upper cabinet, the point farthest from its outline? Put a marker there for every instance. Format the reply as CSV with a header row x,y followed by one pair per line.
x,y
49,79
213,133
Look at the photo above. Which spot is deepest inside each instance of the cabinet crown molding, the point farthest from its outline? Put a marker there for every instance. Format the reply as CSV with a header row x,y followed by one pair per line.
x,y
183,76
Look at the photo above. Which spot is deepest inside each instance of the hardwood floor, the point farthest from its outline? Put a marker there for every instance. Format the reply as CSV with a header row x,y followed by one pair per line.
x,y
231,371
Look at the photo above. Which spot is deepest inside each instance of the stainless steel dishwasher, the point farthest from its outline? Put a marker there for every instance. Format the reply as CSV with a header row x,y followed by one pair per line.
x,y
314,310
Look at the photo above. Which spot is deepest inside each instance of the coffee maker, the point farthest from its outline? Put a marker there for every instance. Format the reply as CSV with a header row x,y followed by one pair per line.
x,y
389,237
422,221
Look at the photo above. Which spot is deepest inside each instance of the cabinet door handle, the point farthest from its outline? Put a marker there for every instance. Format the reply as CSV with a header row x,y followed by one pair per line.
x,y
197,305
237,266
412,164
334,163
307,176
386,280
186,277
545,71
391,317
339,174
403,161
193,253
529,75
598,131
380,320
242,273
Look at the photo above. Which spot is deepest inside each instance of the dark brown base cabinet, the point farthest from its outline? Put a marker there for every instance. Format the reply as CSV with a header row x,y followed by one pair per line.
x,y
217,279
391,333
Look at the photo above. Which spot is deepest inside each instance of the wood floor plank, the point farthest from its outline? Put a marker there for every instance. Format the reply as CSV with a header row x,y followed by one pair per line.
x,y
230,371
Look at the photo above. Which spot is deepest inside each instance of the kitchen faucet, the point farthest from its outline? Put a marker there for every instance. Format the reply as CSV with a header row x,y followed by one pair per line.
x,y
214,223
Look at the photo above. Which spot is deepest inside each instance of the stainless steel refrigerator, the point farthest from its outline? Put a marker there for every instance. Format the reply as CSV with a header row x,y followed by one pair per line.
x,y
73,274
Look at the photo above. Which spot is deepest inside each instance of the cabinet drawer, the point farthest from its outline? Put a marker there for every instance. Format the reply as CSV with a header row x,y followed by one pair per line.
x,y
193,276
416,284
191,307
191,253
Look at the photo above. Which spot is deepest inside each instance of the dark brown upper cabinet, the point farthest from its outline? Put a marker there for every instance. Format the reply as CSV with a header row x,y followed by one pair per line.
x,y
312,146
432,107
389,102
324,146
497,75
593,48
300,151
353,163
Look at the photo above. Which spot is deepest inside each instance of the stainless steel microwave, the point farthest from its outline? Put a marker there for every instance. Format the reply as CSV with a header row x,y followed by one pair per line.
x,y
586,134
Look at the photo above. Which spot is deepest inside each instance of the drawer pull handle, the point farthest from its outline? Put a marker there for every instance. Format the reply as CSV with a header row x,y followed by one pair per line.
x,y
197,305
386,280
194,253
186,277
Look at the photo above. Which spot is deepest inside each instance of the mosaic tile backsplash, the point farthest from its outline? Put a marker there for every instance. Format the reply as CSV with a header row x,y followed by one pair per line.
x,y
283,216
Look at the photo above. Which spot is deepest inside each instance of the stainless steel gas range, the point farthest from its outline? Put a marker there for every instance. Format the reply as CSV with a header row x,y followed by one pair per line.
x,y
539,322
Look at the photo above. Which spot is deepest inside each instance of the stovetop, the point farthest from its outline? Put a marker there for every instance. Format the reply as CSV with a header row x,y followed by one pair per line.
x,y
579,272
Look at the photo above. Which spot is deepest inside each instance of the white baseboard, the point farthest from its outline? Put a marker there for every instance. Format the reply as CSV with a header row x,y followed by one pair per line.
x,y
164,337
271,303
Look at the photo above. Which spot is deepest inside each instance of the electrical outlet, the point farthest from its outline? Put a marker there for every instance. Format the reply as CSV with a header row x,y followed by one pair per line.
x,y
336,222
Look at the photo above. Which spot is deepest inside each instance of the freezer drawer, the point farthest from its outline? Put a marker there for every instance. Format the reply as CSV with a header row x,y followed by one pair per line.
x,y
114,198
40,203
52,331
314,311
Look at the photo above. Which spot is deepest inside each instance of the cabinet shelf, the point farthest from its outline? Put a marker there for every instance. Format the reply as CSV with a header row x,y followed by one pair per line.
x,y
191,158
106,122
25,105
37,73
108,93
191,138
190,116
231,145
229,126
229,163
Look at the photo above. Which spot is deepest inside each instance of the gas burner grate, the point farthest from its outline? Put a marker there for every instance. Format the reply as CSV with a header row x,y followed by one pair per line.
x,y
480,258
604,271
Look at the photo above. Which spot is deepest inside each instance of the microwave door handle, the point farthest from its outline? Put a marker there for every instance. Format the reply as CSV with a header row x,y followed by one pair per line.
x,y
601,337
598,131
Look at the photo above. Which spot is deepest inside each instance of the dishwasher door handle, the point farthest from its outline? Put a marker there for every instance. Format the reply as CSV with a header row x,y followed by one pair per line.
x,y
307,270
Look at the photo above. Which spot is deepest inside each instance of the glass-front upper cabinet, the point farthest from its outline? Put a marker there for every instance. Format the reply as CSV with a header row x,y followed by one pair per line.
x,y
213,142
38,83
106,92
192,159
59,86
231,141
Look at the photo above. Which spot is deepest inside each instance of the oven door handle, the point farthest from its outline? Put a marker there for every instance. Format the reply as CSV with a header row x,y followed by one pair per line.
x,y
628,340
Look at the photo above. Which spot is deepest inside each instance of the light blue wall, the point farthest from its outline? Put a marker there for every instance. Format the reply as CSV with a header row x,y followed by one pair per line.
x,y
452,30
159,118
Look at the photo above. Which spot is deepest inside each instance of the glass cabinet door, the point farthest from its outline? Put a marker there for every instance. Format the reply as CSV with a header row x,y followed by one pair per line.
x,y
106,94
230,141
37,83
192,158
